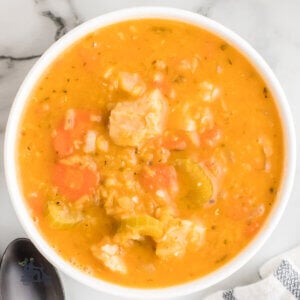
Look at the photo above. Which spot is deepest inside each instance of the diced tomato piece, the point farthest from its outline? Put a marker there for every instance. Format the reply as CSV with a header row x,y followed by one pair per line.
x,y
64,136
164,86
82,124
210,137
63,143
131,83
36,204
159,177
174,140
74,181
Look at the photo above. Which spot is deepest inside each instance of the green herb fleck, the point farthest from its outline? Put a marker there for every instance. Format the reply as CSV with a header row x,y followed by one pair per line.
x,y
23,263
223,47
265,92
221,259
161,29
179,79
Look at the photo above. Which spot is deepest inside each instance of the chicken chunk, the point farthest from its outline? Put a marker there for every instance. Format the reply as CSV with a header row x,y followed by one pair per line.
x,y
131,83
111,256
208,91
180,236
133,123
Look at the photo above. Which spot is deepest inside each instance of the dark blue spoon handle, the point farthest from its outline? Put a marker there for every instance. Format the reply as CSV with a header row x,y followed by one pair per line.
x,y
26,275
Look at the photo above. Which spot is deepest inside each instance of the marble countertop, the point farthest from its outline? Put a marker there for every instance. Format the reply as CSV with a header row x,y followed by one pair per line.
x,y
28,27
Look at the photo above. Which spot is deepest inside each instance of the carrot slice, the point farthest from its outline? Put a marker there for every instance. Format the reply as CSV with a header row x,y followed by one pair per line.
x,y
74,181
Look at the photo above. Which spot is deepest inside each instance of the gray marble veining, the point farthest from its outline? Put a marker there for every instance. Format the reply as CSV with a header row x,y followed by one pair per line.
x,y
36,24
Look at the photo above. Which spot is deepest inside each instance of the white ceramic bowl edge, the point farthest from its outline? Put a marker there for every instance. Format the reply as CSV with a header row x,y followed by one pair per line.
x,y
38,70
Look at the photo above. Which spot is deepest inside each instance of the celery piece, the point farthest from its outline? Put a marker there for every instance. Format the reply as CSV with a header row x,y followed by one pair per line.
x,y
61,215
142,225
199,188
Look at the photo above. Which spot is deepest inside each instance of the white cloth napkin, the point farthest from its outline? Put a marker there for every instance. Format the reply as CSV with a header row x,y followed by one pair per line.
x,y
280,281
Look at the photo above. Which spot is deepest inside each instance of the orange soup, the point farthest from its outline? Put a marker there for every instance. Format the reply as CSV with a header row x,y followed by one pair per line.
x,y
150,153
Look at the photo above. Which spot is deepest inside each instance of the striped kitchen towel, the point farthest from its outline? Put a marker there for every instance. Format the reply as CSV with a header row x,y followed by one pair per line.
x,y
280,281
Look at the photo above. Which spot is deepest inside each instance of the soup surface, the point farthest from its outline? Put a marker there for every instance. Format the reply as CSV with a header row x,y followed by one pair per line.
x,y
150,153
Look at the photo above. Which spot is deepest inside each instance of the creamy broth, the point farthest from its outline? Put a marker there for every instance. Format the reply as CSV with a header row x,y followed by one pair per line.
x,y
150,153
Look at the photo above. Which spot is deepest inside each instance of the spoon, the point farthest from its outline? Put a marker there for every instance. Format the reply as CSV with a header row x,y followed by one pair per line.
x,y
25,274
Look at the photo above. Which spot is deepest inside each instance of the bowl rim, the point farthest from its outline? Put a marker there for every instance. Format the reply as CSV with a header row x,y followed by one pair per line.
x,y
149,12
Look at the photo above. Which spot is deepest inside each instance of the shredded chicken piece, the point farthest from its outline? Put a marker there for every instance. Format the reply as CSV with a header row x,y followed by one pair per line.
x,y
189,65
111,256
133,123
102,144
131,83
90,141
179,236
208,91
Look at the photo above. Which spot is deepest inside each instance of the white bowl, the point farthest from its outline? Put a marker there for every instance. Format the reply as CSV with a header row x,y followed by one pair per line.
x,y
40,67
